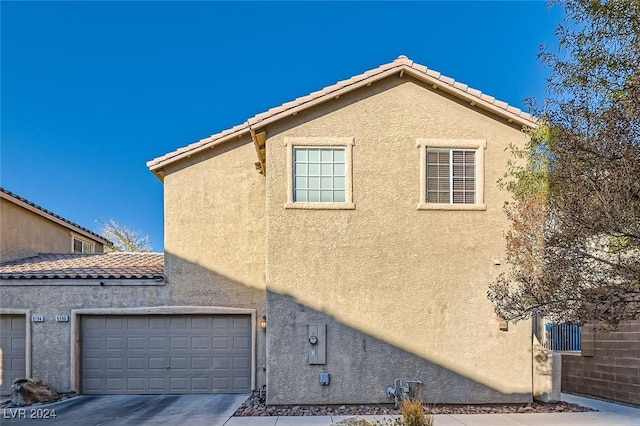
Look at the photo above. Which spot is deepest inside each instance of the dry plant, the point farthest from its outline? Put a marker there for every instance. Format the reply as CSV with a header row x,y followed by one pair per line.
x,y
412,412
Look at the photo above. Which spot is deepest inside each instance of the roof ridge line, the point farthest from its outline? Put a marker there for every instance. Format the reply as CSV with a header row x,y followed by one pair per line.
x,y
402,62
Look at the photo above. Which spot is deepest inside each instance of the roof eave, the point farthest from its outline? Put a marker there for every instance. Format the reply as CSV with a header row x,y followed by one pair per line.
x,y
402,65
157,165
54,218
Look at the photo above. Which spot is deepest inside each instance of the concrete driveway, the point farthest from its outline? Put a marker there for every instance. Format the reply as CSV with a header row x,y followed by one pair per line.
x,y
138,410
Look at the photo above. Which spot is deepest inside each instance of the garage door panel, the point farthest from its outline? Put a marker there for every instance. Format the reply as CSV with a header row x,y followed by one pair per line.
x,y
199,363
201,323
158,384
221,323
18,364
97,343
114,364
137,343
157,343
221,343
157,363
114,384
200,384
12,350
241,382
114,343
94,323
92,385
179,323
115,323
137,364
158,323
95,364
220,363
241,323
241,363
179,343
160,354
179,384
137,323
19,343
201,343
221,384
178,363
240,342
137,384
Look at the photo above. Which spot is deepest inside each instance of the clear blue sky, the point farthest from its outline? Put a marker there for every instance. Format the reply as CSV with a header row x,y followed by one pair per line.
x,y
90,91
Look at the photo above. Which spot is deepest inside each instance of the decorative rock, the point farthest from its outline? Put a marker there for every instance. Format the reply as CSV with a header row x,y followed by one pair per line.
x,y
352,421
29,391
254,407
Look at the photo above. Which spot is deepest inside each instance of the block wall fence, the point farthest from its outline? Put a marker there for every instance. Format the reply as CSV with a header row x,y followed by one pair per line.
x,y
608,366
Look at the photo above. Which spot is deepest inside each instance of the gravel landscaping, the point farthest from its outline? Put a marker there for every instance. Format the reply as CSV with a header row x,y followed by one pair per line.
x,y
255,407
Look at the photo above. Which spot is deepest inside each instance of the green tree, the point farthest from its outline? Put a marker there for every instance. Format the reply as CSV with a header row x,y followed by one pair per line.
x,y
574,244
124,239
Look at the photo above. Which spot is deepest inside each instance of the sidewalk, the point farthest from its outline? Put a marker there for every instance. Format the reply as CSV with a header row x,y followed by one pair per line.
x,y
609,415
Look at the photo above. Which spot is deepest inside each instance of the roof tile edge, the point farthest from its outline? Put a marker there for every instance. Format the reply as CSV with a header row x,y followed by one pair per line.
x,y
300,103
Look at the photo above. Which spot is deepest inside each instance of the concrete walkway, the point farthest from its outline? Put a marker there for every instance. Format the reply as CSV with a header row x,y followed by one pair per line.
x,y
217,410
609,415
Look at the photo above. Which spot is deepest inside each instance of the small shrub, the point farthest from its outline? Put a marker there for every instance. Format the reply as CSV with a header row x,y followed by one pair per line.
x,y
413,413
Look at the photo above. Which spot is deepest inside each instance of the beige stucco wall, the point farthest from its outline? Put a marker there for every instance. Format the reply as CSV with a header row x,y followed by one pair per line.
x,y
24,233
407,287
215,233
50,344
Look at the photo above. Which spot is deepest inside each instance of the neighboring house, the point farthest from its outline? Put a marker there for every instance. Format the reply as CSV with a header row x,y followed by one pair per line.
x,y
367,232
608,366
27,229
107,323
362,223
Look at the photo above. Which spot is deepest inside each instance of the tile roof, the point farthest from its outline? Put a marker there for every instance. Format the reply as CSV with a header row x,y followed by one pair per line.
x,y
15,198
118,265
400,65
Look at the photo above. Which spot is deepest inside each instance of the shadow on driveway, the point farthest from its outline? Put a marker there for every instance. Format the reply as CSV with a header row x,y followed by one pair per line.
x,y
139,410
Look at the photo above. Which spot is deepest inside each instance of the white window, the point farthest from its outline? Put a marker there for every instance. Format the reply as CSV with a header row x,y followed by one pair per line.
x,y
81,246
451,174
319,172
319,175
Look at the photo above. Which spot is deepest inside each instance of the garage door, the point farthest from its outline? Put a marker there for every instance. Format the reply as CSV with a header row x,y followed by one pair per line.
x,y
12,346
156,354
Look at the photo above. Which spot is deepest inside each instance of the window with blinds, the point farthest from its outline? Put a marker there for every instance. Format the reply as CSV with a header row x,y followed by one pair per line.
x,y
451,176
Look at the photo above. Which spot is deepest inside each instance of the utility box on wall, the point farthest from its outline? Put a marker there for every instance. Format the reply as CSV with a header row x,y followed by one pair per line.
x,y
318,344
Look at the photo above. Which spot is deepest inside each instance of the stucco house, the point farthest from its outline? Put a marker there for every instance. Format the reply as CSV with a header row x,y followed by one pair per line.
x,y
328,249
27,228
364,222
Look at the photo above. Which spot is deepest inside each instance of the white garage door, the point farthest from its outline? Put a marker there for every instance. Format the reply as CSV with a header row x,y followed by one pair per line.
x,y
13,350
158,354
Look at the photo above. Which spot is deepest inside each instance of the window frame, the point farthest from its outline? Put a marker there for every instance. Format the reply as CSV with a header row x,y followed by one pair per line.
x,y
478,145
320,142
84,242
